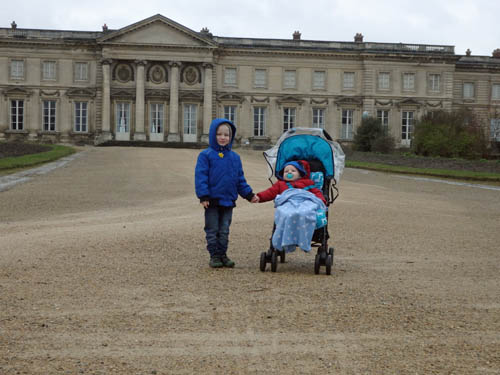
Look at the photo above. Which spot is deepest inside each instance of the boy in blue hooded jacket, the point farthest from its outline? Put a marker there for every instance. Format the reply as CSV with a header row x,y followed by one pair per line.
x,y
219,179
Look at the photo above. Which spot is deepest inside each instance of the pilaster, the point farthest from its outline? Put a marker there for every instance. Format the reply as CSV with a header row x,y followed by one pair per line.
x,y
106,102
173,134
207,102
139,134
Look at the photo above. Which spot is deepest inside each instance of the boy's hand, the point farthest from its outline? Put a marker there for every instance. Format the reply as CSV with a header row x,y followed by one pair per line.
x,y
205,204
255,199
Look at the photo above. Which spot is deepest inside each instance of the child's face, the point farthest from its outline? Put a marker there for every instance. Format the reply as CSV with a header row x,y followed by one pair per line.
x,y
290,173
223,137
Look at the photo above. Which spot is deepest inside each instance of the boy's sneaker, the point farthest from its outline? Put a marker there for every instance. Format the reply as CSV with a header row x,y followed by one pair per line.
x,y
216,262
227,262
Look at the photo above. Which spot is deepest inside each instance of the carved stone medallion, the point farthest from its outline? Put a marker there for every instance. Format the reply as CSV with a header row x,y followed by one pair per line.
x,y
190,75
123,73
157,74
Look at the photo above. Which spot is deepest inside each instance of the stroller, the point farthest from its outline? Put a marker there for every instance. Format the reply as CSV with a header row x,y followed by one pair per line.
x,y
326,160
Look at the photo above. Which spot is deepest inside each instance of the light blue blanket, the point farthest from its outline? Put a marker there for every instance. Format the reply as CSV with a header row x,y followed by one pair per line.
x,y
295,219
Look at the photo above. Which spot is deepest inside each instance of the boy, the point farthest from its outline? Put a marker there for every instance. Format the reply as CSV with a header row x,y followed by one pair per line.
x,y
219,179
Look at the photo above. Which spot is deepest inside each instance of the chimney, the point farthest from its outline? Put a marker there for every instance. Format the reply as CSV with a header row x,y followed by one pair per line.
x,y
358,38
496,53
13,25
296,35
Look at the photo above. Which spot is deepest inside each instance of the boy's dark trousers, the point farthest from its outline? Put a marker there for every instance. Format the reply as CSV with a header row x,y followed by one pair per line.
x,y
217,222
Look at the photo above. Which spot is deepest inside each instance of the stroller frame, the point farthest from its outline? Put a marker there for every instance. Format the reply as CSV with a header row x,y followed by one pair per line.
x,y
325,254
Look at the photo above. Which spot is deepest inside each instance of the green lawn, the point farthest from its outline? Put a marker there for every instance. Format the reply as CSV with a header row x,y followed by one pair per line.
x,y
19,162
460,175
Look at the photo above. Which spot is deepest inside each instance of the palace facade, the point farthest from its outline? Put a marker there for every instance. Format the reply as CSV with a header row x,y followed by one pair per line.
x,y
159,81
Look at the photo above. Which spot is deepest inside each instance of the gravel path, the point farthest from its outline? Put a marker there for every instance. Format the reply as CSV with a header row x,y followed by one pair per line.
x,y
103,271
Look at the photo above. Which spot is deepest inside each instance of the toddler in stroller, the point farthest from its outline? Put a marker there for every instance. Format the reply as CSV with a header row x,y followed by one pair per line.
x,y
307,164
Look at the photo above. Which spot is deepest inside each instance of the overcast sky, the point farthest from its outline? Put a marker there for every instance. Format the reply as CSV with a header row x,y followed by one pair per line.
x,y
470,24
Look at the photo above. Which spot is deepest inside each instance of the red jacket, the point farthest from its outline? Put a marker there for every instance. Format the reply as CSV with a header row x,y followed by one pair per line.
x,y
280,186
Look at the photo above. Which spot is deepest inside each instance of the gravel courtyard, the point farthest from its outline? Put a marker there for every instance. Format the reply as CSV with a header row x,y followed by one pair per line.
x,y
103,270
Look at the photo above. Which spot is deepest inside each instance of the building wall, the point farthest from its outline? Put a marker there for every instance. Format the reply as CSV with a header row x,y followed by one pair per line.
x,y
158,64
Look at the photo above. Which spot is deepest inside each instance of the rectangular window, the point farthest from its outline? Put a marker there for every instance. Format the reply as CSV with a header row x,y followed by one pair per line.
x,y
383,116
17,114
468,90
348,80
230,76
259,121
435,82
384,79
230,113
81,117
347,115
409,81
156,118
319,80
495,129
318,120
288,118
17,69
81,71
122,117
49,70
289,79
49,115
495,91
260,78
190,114
407,125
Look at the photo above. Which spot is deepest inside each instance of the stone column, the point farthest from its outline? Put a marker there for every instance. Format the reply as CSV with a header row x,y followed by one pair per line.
x,y
207,102
106,101
173,134
139,134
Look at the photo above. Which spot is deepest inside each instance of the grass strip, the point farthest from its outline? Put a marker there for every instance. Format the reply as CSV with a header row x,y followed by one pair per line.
x,y
446,173
56,152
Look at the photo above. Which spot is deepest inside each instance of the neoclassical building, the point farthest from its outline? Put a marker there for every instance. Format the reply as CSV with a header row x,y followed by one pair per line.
x,y
159,81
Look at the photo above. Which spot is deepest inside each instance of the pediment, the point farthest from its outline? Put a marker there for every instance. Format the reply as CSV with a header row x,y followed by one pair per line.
x,y
19,91
409,101
191,95
289,99
157,30
123,93
231,97
80,93
349,100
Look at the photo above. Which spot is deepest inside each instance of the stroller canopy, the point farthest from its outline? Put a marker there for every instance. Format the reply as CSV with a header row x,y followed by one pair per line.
x,y
306,144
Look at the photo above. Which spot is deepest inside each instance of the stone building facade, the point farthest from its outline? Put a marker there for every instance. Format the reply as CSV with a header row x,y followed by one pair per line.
x,y
159,81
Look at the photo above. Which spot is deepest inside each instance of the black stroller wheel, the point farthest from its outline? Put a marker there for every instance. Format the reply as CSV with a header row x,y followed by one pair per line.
x,y
263,261
282,256
317,263
328,265
274,262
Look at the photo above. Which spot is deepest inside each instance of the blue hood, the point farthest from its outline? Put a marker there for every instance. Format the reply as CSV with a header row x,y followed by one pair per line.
x,y
212,136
